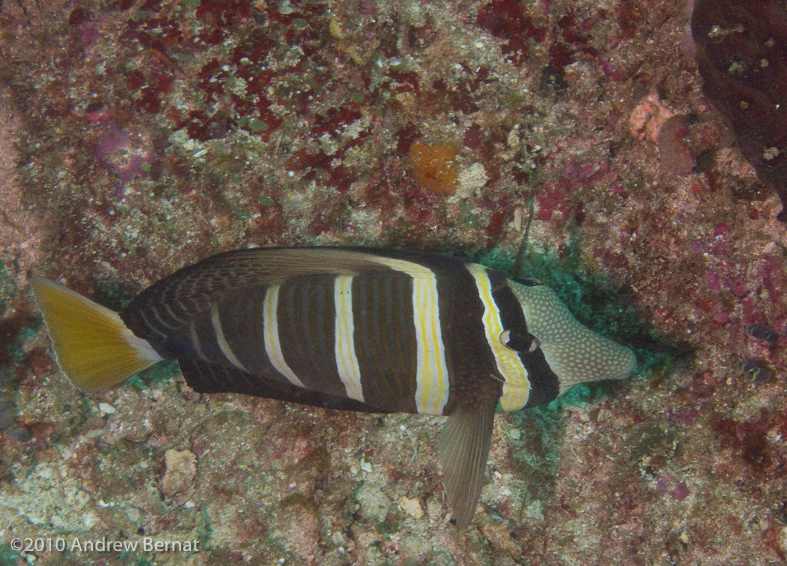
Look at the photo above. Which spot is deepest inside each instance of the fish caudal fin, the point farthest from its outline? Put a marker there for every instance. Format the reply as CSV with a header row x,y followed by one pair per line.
x,y
464,449
92,344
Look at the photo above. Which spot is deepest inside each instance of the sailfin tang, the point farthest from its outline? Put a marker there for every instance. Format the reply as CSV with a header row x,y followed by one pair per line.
x,y
92,345
464,449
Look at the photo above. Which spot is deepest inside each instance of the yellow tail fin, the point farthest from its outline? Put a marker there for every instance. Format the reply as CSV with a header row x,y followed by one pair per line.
x,y
92,344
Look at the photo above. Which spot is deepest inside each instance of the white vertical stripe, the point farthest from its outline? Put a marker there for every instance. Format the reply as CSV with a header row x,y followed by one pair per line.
x,y
172,314
516,388
270,333
215,320
152,326
158,318
195,340
346,360
432,384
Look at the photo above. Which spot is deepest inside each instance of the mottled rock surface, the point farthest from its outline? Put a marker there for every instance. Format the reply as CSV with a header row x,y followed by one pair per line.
x,y
140,136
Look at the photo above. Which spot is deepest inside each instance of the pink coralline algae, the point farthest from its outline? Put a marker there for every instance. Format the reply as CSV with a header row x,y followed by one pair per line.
x,y
713,281
679,492
116,151
674,151
742,57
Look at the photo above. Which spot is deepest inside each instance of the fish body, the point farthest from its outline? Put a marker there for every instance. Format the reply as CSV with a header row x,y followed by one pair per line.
x,y
343,328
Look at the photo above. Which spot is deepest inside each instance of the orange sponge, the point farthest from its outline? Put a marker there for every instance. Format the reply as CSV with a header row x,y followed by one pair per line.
x,y
435,166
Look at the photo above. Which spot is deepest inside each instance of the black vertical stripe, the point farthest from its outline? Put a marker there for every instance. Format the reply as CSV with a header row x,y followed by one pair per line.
x,y
376,374
307,332
384,339
511,314
242,323
206,337
233,317
400,334
544,385
324,347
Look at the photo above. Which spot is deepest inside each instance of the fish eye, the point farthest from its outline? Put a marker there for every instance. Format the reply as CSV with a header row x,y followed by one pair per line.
x,y
519,342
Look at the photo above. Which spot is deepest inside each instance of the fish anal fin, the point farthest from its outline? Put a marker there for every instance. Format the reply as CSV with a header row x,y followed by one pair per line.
x,y
204,377
463,450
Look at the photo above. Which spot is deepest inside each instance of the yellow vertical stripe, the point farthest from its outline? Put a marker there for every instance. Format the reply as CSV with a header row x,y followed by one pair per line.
x,y
346,360
215,320
270,333
432,384
516,388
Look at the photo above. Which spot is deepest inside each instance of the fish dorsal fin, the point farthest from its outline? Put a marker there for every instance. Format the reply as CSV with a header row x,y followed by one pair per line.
x,y
269,265
464,449
264,266
171,302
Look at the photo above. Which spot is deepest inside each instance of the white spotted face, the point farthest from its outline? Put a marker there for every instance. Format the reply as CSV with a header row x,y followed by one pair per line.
x,y
575,353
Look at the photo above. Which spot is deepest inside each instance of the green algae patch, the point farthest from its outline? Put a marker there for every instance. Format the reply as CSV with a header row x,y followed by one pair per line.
x,y
156,374
112,295
8,288
8,557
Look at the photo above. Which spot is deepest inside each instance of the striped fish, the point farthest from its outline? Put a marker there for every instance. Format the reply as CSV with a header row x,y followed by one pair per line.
x,y
356,329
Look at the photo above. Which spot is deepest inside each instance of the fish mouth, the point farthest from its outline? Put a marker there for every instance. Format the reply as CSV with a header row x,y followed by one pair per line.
x,y
594,358
628,368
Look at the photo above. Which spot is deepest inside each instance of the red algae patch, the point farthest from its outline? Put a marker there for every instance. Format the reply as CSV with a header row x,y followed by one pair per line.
x,y
434,166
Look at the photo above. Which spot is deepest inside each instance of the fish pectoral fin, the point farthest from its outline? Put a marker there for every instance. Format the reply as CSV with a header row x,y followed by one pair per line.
x,y
463,450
